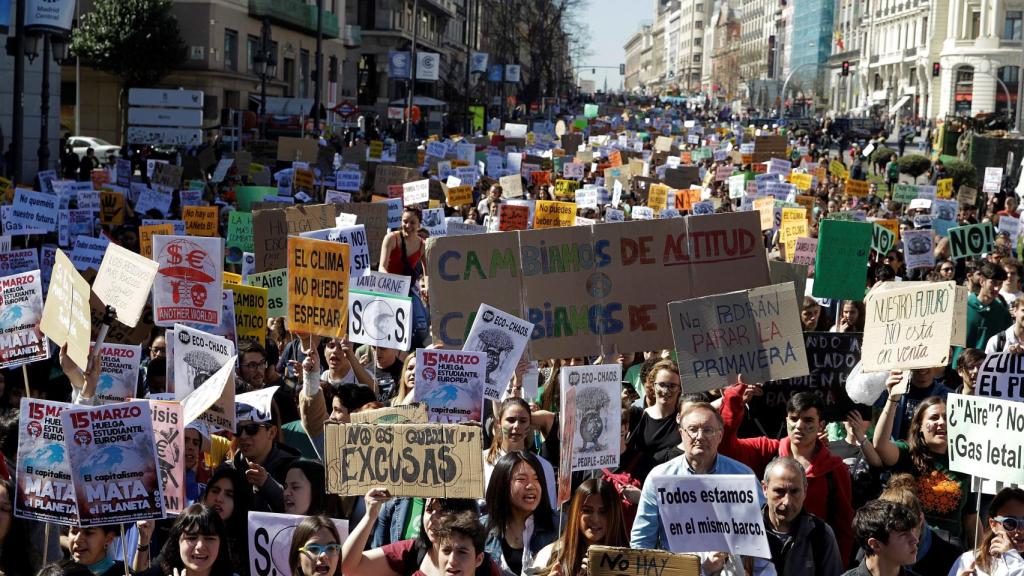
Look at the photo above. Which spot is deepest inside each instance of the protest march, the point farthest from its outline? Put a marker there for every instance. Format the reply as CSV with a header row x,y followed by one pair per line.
x,y
635,337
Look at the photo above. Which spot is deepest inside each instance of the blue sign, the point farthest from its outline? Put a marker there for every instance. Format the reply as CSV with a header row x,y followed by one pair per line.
x,y
495,73
399,65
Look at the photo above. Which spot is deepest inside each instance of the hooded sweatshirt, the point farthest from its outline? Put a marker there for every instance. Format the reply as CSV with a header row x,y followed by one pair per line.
x,y
827,472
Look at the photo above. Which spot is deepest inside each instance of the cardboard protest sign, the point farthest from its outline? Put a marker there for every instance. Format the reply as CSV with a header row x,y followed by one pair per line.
x,y
385,175
451,384
765,208
276,283
356,239
913,324
904,193
119,372
611,561
250,312
188,281
985,437
35,210
591,409
124,281
513,217
21,312
146,234
712,512
831,357
66,318
789,232
857,188
805,251
622,274
380,319
291,149
402,414
1001,376
842,257
944,188
966,195
200,220
554,214
971,240
212,402
753,332
459,196
44,490
169,440
270,538
918,249
503,338
393,284
657,196
318,277
240,238
417,192
426,460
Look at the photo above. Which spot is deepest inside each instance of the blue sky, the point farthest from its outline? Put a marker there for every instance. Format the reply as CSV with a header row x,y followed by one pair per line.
x,y
611,23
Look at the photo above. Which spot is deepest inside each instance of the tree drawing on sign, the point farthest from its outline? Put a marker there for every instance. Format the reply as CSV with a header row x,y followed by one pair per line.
x,y
497,344
591,404
200,367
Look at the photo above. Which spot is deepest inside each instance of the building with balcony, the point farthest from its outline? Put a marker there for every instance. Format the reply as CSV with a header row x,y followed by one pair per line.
x,y
723,42
980,57
761,31
223,38
846,92
900,41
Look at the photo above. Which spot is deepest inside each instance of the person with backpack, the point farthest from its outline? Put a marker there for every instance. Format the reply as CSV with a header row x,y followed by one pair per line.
x,y
829,489
1013,336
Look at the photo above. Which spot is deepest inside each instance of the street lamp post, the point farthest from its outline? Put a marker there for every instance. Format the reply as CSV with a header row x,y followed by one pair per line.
x,y
57,46
265,62
318,73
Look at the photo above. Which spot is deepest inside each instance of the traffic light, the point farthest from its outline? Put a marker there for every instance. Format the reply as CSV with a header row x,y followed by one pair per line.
x,y
622,69
846,67
936,69
593,70
332,69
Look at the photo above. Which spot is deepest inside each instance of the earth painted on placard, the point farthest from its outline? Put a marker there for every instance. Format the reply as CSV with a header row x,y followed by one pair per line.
x,y
383,318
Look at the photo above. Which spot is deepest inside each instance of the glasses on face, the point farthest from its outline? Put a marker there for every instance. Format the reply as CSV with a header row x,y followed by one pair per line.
x,y
255,365
250,429
1011,523
315,550
706,431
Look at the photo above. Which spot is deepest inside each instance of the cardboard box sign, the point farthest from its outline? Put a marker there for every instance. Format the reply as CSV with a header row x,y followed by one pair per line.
x,y
753,332
415,413
611,561
912,325
417,460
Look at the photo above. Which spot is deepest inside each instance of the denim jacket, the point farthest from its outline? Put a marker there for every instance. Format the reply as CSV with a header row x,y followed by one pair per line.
x,y
536,539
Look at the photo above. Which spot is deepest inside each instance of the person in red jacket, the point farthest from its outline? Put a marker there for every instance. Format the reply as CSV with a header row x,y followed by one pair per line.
x,y
829,492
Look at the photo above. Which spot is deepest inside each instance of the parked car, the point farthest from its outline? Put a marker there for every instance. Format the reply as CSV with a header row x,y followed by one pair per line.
x,y
104,150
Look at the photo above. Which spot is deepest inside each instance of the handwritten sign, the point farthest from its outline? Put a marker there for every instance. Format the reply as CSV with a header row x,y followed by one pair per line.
x,y
986,437
428,460
857,188
754,332
513,217
459,196
944,188
318,286
66,318
276,283
971,240
610,561
200,220
913,326
124,281
554,214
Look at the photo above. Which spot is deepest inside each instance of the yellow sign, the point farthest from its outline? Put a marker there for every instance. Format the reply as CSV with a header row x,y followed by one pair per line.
x,y
459,196
838,169
6,191
111,208
566,189
232,278
657,197
765,205
318,287
789,231
944,189
794,214
146,234
250,311
376,150
200,220
551,214
801,181
857,188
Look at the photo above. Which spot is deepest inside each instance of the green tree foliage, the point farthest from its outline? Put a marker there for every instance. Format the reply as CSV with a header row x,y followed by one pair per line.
x,y
914,164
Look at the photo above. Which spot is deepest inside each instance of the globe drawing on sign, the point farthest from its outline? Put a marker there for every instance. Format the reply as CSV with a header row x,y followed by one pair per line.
x,y
382,318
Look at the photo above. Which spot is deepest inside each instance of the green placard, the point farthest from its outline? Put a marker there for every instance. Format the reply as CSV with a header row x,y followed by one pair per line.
x,y
590,111
904,193
972,240
882,240
840,268
239,235
276,283
246,196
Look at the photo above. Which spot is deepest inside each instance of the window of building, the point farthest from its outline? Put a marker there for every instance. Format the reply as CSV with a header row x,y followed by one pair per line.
x,y
366,15
975,24
252,46
230,49
699,24
696,58
303,73
1012,25
289,77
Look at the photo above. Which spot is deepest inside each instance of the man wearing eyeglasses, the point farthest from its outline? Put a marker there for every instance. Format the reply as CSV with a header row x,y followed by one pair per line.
x,y
829,494
264,461
251,375
701,427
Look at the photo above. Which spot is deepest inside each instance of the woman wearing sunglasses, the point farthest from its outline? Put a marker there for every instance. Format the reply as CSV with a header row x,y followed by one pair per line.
x,y
316,548
999,552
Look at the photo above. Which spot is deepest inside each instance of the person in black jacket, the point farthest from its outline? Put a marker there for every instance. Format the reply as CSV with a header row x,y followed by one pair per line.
x,y
800,542
263,459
